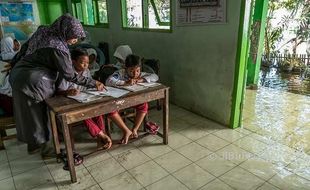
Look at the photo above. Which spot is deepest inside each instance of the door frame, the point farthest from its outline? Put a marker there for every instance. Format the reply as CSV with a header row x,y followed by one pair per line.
x,y
241,63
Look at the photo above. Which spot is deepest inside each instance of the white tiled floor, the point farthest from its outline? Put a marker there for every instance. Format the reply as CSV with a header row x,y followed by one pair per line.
x,y
200,155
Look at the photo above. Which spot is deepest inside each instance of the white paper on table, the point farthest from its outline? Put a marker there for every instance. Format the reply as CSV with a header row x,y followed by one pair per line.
x,y
134,88
84,97
111,91
151,84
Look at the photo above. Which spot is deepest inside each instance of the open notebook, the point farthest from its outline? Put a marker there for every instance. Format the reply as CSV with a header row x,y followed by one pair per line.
x,y
139,86
92,94
151,84
85,97
114,92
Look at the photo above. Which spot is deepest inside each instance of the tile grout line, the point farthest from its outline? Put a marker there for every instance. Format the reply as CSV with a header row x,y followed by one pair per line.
x,y
199,166
95,179
7,157
29,169
126,170
236,165
51,173
259,157
41,183
171,173
218,177
110,177
153,159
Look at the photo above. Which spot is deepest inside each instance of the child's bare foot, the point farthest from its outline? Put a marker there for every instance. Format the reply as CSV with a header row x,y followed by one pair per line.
x,y
135,134
105,138
126,136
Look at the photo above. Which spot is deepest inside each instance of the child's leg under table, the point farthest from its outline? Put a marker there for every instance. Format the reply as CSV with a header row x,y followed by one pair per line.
x,y
117,119
96,128
141,111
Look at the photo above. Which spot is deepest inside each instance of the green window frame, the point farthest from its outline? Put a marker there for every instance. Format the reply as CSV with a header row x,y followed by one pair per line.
x,y
148,22
92,13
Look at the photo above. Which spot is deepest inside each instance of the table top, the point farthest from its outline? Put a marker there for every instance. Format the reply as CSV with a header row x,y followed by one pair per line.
x,y
62,104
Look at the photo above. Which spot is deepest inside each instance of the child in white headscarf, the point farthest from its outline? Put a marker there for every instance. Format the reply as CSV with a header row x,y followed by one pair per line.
x,y
120,54
9,48
93,65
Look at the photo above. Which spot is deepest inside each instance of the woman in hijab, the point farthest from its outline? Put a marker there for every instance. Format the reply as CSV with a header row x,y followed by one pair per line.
x,y
120,54
44,58
9,48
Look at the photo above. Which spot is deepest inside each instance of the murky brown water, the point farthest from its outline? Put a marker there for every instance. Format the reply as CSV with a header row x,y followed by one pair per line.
x,y
298,83
277,114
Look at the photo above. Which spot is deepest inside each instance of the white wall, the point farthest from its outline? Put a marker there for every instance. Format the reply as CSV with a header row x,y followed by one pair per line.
x,y
197,62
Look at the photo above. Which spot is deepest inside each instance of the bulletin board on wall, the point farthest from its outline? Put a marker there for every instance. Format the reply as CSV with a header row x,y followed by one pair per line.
x,y
17,18
200,12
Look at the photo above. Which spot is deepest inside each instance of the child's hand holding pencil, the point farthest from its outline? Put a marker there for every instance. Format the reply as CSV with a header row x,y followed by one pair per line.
x,y
100,86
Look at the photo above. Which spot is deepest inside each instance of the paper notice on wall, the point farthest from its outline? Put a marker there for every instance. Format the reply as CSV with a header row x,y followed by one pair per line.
x,y
200,13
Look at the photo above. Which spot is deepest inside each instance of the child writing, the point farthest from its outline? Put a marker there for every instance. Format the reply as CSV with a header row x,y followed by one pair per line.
x,y
94,125
129,76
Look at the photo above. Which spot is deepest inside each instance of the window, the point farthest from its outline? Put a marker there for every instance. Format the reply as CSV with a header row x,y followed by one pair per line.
x,y
151,14
91,12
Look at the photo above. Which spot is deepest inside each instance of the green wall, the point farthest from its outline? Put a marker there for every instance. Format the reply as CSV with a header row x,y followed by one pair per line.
x,y
241,62
50,10
197,62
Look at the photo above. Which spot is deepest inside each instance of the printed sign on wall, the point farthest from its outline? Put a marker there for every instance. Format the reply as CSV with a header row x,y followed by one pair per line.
x,y
197,12
198,3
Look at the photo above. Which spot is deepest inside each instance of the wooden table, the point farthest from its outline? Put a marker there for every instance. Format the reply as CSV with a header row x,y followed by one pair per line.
x,y
70,111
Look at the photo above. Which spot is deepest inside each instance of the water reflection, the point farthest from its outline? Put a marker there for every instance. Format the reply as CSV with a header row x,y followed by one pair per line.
x,y
298,83
281,120
279,115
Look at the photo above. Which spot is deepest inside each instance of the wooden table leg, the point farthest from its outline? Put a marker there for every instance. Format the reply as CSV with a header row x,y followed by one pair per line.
x,y
166,116
72,138
54,132
67,138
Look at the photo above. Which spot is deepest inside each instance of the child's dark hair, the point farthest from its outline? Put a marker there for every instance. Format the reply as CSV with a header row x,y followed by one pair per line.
x,y
133,61
76,53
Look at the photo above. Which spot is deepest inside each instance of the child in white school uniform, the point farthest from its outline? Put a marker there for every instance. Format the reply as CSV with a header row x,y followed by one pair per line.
x,y
129,76
94,125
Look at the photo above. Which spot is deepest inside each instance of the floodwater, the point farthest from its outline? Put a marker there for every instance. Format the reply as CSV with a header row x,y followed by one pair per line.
x,y
281,120
298,83
280,109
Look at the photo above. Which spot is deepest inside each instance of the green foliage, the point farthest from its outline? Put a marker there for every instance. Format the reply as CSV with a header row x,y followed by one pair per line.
x,y
293,64
272,35
299,10
163,7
